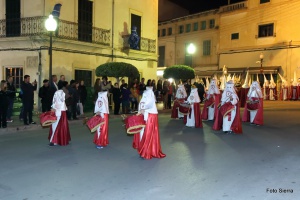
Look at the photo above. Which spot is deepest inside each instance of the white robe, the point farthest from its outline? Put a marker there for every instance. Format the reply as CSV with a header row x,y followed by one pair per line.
x,y
191,120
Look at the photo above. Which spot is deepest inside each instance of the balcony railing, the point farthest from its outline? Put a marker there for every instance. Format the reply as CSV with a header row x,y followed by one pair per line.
x,y
235,6
147,45
32,26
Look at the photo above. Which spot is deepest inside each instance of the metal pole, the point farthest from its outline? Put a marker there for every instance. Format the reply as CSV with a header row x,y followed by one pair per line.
x,y
50,58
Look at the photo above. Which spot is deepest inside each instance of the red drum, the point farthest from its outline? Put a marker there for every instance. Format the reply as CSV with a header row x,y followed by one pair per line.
x,y
134,124
94,122
184,108
47,118
252,105
226,108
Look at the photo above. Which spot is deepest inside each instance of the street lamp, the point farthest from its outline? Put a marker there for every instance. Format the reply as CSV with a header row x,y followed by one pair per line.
x,y
191,49
261,57
51,26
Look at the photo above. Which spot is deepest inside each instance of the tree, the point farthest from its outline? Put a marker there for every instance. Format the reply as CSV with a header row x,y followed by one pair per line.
x,y
179,72
119,70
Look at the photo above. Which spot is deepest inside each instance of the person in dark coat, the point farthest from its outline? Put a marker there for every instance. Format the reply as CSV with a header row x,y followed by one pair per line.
x,y
3,103
61,82
75,97
82,93
117,98
11,93
45,94
28,99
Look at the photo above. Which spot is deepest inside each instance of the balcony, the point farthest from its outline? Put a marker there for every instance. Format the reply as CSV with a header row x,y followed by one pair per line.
x,y
34,26
146,45
233,7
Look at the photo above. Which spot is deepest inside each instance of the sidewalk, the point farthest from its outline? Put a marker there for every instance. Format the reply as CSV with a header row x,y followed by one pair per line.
x,y
18,125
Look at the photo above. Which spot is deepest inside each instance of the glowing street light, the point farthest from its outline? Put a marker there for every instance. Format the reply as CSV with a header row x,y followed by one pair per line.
x,y
191,49
51,26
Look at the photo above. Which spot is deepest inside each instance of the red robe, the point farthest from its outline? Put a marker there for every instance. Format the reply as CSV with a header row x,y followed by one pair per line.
x,y
244,92
236,125
259,118
62,133
217,99
296,93
103,139
176,104
197,114
149,146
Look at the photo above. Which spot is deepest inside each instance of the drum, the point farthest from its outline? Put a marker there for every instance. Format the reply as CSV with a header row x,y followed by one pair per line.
x,y
94,122
184,108
226,108
252,105
47,118
134,124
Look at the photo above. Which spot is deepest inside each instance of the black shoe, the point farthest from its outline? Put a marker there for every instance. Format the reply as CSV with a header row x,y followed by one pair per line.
x,y
32,123
226,132
51,144
252,124
26,124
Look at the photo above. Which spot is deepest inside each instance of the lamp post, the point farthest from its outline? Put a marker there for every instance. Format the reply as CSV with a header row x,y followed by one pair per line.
x,y
51,26
191,49
261,57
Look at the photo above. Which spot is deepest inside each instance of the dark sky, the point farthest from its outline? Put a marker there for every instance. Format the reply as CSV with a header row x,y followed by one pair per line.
x,y
195,6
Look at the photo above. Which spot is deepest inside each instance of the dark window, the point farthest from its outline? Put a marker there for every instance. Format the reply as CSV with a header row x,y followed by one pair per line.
x,y
211,23
188,28
158,33
85,20
13,23
170,31
84,75
206,47
136,20
16,73
164,32
203,25
195,26
266,30
161,59
181,29
235,36
264,1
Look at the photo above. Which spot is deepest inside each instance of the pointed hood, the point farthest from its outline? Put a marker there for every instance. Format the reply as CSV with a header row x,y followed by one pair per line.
x,y
272,83
206,83
284,82
223,82
266,82
246,83
101,104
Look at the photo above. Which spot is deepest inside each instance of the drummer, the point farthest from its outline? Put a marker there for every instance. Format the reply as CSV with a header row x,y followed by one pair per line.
x,y
212,101
194,118
254,96
231,123
180,97
147,142
101,108
59,133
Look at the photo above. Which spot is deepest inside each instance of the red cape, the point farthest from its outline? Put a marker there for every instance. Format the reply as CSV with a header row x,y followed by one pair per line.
x,y
244,92
259,118
217,100
103,139
62,133
288,95
197,115
149,146
291,93
176,104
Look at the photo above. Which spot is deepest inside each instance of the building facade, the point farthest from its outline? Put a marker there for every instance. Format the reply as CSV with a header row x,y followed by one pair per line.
x,y
246,30
89,33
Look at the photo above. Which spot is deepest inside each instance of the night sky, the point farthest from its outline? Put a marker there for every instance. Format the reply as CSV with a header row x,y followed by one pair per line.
x,y
195,6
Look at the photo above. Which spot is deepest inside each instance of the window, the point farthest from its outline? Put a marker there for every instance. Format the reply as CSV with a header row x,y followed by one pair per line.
x,y
16,73
195,26
181,29
206,47
136,21
188,28
203,25
161,59
85,75
266,30
85,20
264,1
211,23
234,36
13,13
170,31
164,32
158,33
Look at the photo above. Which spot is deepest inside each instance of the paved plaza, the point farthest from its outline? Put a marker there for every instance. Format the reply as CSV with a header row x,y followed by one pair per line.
x,y
201,164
